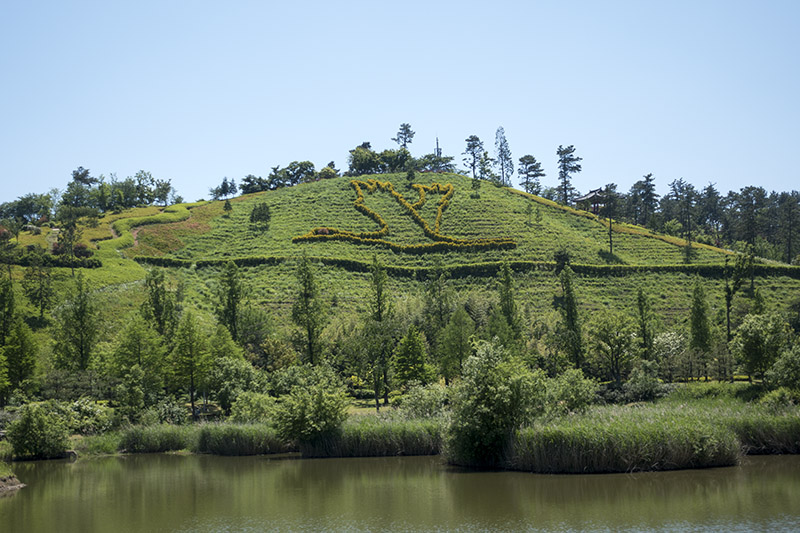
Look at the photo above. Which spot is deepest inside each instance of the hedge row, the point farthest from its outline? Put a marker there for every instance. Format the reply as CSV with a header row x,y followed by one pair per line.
x,y
480,269
48,260
443,242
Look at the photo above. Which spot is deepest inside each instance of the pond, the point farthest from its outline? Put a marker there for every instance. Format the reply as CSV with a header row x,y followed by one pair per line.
x,y
209,493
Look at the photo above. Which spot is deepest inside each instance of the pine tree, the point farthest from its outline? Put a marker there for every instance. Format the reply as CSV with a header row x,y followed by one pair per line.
x,y
568,164
507,304
38,286
380,330
20,353
646,320
503,160
530,171
473,154
159,307
7,307
700,326
404,135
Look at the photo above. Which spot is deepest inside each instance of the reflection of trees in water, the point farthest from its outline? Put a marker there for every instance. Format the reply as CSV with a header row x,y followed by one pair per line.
x,y
175,492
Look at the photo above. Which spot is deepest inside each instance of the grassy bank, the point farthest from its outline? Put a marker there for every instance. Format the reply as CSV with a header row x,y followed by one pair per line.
x,y
239,439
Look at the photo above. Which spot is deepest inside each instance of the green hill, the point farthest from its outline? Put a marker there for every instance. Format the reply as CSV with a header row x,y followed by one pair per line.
x,y
473,235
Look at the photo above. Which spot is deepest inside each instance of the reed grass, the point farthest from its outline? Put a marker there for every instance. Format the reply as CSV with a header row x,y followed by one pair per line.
x,y
158,438
373,436
102,444
239,439
624,440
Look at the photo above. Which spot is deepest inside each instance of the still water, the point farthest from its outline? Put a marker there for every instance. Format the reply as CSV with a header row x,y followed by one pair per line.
x,y
207,493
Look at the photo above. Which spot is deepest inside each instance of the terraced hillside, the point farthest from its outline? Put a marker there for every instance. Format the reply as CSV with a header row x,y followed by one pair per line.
x,y
537,227
194,240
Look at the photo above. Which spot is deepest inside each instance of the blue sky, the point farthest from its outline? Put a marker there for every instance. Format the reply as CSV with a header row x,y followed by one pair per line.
x,y
195,91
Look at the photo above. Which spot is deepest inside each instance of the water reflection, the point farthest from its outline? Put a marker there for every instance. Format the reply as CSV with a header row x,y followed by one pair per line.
x,y
205,493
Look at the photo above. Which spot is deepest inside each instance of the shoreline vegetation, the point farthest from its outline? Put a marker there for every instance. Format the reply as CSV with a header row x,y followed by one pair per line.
x,y
692,427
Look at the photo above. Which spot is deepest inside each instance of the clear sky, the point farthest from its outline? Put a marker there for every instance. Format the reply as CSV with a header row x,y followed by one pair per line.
x,y
194,91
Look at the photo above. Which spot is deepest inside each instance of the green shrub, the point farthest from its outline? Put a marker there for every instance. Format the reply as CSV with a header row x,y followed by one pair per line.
x,y
306,414
105,444
643,384
84,416
252,407
780,399
786,370
167,411
229,439
497,393
425,401
570,392
38,433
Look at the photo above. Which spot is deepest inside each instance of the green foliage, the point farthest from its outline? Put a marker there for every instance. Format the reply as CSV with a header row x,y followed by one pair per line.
x,y
159,307
759,341
308,311
569,392
190,358
84,416
786,370
230,377
455,343
642,384
38,433
167,411
570,329
140,344
38,286
425,401
409,358
252,407
496,395
307,414
700,332
260,216
20,352
612,334
77,328
780,399
229,294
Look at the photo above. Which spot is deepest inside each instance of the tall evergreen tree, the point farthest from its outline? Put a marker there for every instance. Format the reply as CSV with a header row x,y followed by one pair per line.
x,y
7,307
438,301
508,305
568,164
455,343
380,332
571,335
645,319
530,171
700,325
409,357
610,212
20,352
308,312
230,293
503,160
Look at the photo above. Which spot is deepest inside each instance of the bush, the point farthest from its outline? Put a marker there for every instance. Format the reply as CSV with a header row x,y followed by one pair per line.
x,y
496,395
780,399
425,401
570,392
306,414
228,439
168,411
786,370
643,384
253,407
38,433
84,416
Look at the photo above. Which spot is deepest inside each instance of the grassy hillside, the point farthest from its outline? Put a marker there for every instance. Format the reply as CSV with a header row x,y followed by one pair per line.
x,y
498,213
194,240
